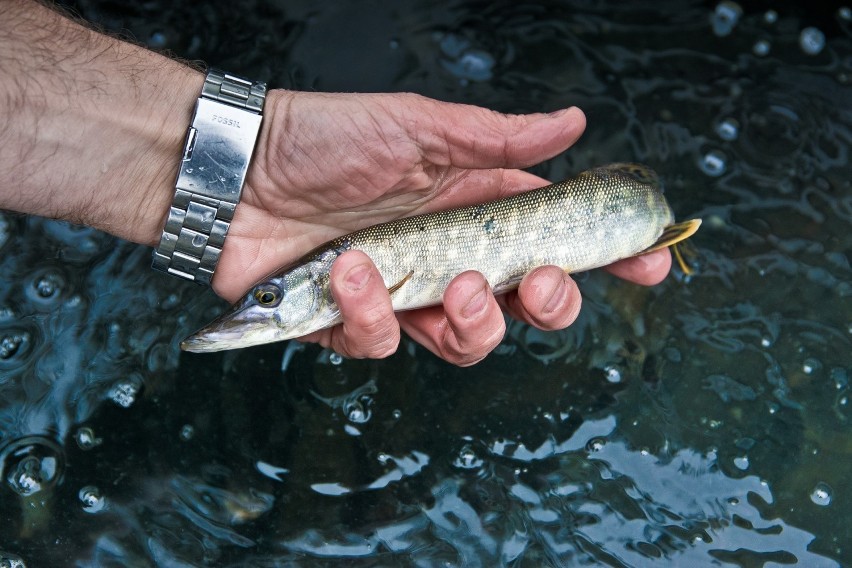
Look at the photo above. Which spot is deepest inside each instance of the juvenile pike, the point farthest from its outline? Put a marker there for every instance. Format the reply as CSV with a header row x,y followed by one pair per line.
x,y
601,216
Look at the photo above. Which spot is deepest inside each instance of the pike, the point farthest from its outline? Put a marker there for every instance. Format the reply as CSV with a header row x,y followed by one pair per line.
x,y
596,218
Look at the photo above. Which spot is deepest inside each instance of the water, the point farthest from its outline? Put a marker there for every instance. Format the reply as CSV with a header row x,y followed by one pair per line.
x,y
704,421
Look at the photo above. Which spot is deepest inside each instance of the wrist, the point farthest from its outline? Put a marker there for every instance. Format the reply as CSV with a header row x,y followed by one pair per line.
x,y
216,157
99,124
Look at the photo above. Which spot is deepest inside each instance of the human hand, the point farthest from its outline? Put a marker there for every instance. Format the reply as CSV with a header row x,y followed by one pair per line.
x,y
110,119
329,164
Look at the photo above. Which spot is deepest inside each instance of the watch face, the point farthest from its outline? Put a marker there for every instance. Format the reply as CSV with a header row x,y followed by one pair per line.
x,y
218,150
216,156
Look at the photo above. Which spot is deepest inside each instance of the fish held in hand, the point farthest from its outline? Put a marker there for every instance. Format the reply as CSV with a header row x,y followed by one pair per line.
x,y
600,216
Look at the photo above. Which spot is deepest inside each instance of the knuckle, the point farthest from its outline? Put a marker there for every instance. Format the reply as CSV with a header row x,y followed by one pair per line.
x,y
375,322
374,338
467,353
557,320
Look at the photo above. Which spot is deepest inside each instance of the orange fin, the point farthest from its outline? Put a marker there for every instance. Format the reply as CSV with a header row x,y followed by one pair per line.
x,y
400,284
681,261
673,234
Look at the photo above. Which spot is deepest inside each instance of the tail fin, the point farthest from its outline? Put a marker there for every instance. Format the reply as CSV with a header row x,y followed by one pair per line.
x,y
674,234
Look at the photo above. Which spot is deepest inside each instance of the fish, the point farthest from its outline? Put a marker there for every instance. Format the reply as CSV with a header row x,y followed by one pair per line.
x,y
600,216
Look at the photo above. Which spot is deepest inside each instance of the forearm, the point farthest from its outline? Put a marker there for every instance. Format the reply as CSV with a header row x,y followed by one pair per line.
x,y
91,128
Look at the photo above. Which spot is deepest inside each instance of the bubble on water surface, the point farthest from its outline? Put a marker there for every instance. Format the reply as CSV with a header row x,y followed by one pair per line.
x,y
821,495
124,392
86,439
31,465
187,432
9,560
761,48
10,344
811,40
811,365
844,13
335,358
467,458
91,498
46,287
612,374
770,16
546,346
357,411
714,163
741,462
725,18
728,129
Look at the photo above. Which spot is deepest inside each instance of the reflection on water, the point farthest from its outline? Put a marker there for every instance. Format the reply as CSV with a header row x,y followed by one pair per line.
x,y
704,421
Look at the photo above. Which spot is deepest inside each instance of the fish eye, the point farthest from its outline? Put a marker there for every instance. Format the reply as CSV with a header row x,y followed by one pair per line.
x,y
267,295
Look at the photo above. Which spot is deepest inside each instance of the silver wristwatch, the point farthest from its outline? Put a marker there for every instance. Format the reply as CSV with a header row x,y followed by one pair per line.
x,y
216,156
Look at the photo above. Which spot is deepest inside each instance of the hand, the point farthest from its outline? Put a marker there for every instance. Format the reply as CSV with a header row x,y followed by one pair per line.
x,y
329,164
110,119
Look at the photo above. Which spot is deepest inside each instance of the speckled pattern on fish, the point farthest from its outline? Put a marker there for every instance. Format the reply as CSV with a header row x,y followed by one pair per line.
x,y
596,218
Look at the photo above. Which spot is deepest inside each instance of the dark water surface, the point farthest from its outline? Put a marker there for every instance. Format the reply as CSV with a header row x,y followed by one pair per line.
x,y
701,422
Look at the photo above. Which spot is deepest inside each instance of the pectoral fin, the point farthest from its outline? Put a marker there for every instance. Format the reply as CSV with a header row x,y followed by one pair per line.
x,y
400,284
673,234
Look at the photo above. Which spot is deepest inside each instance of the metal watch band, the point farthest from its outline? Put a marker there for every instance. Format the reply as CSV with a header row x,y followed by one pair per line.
x,y
216,156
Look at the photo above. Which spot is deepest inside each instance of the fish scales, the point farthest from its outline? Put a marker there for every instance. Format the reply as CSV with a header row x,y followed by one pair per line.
x,y
576,226
598,217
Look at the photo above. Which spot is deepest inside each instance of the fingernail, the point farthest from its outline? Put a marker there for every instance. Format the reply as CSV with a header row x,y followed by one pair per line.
x,y
557,296
357,277
558,113
476,305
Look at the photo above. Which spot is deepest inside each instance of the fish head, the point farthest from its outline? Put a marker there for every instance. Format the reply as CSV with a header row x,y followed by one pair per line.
x,y
276,309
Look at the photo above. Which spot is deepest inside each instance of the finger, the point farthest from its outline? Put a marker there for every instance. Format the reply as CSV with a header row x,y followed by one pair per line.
x,y
647,269
473,137
466,328
547,298
369,327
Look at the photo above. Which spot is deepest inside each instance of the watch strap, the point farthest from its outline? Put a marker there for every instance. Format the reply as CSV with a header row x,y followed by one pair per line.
x,y
216,156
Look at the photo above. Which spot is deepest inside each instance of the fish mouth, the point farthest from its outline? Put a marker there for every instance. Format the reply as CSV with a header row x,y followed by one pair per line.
x,y
232,330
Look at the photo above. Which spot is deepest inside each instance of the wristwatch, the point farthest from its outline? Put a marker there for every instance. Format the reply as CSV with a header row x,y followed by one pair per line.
x,y
216,156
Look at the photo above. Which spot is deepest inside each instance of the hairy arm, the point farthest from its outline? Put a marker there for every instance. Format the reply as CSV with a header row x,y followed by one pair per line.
x,y
91,127
91,131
